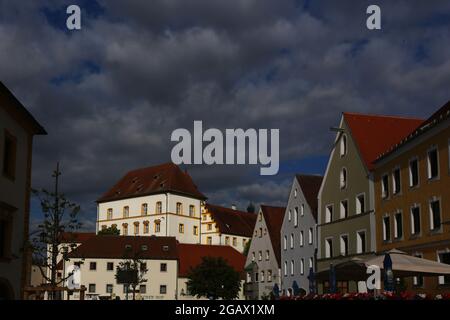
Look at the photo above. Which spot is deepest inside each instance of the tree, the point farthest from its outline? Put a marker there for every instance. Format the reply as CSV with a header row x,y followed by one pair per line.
x,y
214,278
247,247
60,215
132,270
111,231
251,208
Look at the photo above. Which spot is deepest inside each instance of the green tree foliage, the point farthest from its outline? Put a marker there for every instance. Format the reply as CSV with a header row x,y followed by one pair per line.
x,y
111,231
214,278
135,266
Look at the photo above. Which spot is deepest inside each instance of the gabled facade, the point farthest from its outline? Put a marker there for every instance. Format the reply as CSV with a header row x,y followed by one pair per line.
x,y
412,192
299,233
346,219
264,259
17,129
160,200
226,226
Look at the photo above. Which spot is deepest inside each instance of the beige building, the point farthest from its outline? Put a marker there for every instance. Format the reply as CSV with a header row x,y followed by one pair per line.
x,y
226,226
17,129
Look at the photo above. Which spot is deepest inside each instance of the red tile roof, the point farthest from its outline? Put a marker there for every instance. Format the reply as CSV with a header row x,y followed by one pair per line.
x,y
310,185
115,247
75,237
191,255
230,221
273,216
374,134
439,116
166,177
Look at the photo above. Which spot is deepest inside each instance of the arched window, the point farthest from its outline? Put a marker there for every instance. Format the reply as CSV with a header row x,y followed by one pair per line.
x,y
158,208
136,228
343,182
125,229
157,226
343,145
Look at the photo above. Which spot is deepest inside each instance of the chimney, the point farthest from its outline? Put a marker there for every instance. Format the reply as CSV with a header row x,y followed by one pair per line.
x,y
233,206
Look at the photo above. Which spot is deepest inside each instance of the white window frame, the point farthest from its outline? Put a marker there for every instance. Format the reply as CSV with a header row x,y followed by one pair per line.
x,y
385,234
311,263
267,255
384,193
343,145
432,148
343,182
433,199
396,214
285,242
329,248
292,267
310,236
302,238
410,172
413,231
302,266
285,268
295,193
394,184
295,216
360,210
341,211
292,241
302,210
359,243
328,213
290,215
341,242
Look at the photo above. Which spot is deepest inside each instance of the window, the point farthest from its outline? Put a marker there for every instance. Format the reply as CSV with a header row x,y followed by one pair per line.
x,y
418,281
292,267
162,289
302,266
146,227
433,163
292,241
328,248
259,255
361,242
360,204
191,210
125,229
260,232
444,257
249,277
302,210
110,266
295,193
415,220
209,226
109,288
285,269
386,228
142,289
9,156
260,217
311,263
144,209
126,288
435,215
157,226
343,180
385,186
209,240
310,236
398,226
301,238
158,208
285,242
262,276
91,287
126,212
109,214
136,228
93,266
289,215
344,245
344,209
181,228
396,183
256,276
195,230
269,275
163,267
413,173
267,255
234,241
179,208
343,148
329,213
253,256
296,216
227,241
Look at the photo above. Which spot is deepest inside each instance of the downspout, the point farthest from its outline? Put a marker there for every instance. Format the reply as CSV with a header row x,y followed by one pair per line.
x,y
167,211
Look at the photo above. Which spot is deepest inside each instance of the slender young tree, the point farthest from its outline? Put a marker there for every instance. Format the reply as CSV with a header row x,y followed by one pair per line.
x,y
59,216
135,267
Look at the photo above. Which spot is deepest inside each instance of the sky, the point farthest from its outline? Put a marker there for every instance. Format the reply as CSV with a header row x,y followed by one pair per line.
x,y
110,94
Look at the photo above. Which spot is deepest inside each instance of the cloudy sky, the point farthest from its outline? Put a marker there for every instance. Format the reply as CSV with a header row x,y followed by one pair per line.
x,y
110,94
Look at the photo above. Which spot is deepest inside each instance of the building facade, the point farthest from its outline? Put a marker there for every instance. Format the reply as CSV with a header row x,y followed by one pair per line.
x,y
160,200
264,259
17,129
299,233
346,219
226,226
412,192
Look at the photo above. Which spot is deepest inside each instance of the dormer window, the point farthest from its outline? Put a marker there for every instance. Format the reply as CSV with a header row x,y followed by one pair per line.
x,y
343,178
343,145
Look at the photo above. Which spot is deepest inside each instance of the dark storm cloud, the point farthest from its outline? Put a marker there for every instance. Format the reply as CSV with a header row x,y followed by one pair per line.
x,y
111,94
